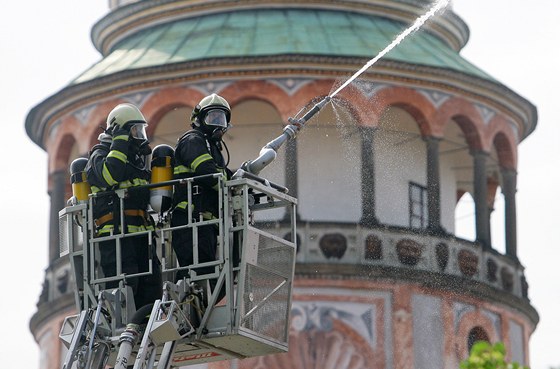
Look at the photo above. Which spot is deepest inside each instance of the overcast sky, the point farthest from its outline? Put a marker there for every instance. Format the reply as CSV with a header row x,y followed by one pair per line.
x,y
45,44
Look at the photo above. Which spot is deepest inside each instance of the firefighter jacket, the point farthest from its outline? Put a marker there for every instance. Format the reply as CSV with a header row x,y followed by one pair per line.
x,y
196,155
117,165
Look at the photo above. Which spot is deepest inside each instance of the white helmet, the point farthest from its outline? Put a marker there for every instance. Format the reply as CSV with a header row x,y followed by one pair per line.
x,y
128,115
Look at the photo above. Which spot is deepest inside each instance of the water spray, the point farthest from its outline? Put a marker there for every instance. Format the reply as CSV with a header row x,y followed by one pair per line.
x,y
269,151
440,4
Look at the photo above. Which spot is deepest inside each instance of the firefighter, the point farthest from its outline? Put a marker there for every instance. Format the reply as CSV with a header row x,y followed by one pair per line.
x,y
121,160
199,152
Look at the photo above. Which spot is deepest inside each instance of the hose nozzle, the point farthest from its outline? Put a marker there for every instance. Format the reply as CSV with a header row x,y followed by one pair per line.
x,y
301,121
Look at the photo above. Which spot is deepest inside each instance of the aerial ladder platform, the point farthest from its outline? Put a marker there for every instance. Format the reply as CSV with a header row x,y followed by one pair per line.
x,y
187,325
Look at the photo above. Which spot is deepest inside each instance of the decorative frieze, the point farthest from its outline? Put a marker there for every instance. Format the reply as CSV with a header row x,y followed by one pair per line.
x,y
210,87
290,85
83,115
437,98
485,112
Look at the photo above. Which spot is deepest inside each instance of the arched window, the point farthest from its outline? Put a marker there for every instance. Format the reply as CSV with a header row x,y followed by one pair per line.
x,y
330,192
254,124
496,197
400,178
476,334
465,217
172,126
457,187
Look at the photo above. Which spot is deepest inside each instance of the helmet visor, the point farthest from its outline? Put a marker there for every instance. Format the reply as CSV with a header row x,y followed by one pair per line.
x,y
216,118
138,131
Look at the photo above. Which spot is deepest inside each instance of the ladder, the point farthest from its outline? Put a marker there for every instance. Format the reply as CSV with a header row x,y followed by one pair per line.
x,y
187,325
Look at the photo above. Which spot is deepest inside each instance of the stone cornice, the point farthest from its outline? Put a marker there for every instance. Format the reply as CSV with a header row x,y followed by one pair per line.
x,y
45,312
135,17
448,283
496,95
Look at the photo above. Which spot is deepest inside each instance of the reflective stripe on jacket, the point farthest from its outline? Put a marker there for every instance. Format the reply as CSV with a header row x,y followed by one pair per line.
x,y
195,155
110,167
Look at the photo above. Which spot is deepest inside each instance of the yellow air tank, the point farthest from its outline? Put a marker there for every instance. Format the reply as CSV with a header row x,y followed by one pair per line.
x,y
162,170
80,186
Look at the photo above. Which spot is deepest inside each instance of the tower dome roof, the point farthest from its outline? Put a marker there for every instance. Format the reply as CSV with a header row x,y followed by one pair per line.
x,y
273,32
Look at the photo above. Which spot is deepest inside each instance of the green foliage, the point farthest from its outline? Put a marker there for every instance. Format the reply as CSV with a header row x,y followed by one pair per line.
x,y
485,356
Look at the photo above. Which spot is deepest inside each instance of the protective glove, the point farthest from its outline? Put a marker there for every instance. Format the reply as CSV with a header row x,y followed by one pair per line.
x,y
121,133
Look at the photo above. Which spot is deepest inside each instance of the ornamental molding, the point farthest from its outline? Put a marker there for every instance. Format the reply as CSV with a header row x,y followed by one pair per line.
x,y
83,115
290,85
53,129
370,88
138,98
514,128
207,88
459,310
319,316
202,74
485,112
437,98
496,321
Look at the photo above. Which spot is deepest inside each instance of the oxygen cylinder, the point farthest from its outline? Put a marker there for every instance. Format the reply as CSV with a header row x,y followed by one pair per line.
x,y
80,187
162,170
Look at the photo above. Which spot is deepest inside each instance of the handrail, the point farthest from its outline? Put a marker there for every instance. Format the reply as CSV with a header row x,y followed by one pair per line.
x,y
158,184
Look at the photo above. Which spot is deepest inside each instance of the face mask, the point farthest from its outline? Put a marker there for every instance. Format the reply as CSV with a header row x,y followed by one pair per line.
x,y
215,118
138,131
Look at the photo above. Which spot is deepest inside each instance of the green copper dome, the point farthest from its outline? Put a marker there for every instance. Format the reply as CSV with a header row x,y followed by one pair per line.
x,y
269,32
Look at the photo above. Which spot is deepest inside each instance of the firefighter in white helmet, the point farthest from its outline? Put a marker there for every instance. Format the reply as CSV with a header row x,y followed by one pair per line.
x,y
199,152
121,160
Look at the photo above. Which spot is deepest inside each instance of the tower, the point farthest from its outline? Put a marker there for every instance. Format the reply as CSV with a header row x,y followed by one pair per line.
x,y
378,175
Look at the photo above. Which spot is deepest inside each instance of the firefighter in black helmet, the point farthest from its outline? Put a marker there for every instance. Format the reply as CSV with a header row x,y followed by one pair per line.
x,y
121,160
199,152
